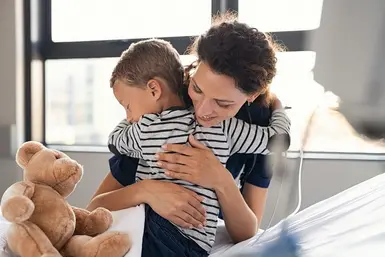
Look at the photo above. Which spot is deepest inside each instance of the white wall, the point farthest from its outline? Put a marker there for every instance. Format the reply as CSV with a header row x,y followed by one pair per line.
x,y
321,178
351,57
11,83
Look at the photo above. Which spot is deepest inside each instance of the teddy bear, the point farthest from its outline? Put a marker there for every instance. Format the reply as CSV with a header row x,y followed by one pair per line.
x,y
43,224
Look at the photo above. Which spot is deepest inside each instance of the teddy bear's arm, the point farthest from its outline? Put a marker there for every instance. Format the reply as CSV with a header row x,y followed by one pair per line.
x,y
92,223
16,203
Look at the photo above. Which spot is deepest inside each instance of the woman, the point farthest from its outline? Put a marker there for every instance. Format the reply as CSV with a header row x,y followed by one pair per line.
x,y
235,64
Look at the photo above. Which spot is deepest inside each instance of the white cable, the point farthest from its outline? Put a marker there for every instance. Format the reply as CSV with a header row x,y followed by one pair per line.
x,y
275,208
299,184
301,156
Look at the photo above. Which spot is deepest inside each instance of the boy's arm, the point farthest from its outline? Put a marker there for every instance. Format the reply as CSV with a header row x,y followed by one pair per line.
x,y
125,139
251,138
143,139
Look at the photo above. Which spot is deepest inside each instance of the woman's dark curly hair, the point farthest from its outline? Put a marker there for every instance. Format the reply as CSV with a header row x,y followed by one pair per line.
x,y
243,53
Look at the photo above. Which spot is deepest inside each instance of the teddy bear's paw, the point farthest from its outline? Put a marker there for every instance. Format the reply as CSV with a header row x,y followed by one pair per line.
x,y
18,209
98,221
112,244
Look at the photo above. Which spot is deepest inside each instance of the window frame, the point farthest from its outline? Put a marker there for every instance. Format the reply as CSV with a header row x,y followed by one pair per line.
x,y
37,17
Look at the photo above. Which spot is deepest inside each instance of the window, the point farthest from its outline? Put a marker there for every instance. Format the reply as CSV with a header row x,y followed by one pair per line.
x,y
80,107
79,43
281,15
312,109
86,20
294,79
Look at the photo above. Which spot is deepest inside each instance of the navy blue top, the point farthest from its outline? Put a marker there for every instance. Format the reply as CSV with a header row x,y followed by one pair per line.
x,y
123,167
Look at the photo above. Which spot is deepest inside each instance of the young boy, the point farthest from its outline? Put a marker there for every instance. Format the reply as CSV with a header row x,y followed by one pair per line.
x,y
147,82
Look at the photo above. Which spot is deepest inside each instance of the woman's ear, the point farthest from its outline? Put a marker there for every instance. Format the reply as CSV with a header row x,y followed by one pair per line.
x,y
154,88
252,97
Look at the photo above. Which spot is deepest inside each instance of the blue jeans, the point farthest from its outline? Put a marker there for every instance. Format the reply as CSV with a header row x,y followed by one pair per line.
x,y
163,239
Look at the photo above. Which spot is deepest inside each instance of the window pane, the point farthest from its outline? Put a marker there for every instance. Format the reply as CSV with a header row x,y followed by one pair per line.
x,y
81,109
74,20
80,106
328,130
281,15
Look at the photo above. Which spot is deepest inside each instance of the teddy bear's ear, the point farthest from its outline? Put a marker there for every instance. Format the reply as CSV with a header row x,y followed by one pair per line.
x,y
59,154
26,151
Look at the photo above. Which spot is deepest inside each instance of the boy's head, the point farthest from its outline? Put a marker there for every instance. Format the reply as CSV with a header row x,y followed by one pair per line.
x,y
147,72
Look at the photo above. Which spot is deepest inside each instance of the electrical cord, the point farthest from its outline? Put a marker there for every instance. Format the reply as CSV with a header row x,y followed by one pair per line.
x,y
280,187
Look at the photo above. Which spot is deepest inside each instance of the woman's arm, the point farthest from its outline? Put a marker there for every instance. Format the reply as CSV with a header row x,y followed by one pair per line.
x,y
108,184
171,201
256,181
255,186
255,198
110,190
241,222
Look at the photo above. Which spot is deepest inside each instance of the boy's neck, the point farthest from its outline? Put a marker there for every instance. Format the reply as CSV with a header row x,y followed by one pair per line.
x,y
172,101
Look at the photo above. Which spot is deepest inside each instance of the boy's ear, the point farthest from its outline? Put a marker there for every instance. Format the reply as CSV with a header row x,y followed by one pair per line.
x,y
154,88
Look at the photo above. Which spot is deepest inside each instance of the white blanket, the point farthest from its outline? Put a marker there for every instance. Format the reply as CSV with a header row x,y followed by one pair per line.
x,y
350,223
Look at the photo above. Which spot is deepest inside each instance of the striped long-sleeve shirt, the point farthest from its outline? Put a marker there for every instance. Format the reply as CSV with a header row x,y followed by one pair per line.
x,y
144,139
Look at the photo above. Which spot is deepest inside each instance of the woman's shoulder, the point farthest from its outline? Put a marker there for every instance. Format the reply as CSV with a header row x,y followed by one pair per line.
x,y
258,114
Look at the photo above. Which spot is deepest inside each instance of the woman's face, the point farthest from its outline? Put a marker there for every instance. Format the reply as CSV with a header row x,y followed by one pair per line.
x,y
214,96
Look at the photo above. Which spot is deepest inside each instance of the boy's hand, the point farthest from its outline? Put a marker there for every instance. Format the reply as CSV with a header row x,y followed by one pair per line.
x,y
275,103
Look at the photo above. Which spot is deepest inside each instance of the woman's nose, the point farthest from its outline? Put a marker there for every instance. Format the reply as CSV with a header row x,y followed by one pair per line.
x,y
205,108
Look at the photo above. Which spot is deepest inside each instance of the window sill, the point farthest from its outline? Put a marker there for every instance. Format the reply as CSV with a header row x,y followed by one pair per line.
x,y
80,148
290,154
338,156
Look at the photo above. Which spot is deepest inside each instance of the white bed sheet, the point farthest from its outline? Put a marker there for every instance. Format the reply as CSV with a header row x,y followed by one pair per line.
x,y
351,223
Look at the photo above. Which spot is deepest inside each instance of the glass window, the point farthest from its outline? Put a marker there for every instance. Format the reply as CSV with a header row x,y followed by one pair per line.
x,y
85,20
281,15
80,106
81,109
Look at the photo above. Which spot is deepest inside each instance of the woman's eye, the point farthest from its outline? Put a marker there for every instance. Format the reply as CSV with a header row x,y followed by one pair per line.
x,y
225,106
197,89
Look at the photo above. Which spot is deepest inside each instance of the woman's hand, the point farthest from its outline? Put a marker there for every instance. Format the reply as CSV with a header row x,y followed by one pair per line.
x,y
175,203
197,164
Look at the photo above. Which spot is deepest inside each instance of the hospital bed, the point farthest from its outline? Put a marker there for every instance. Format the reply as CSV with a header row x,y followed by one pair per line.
x,y
351,223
